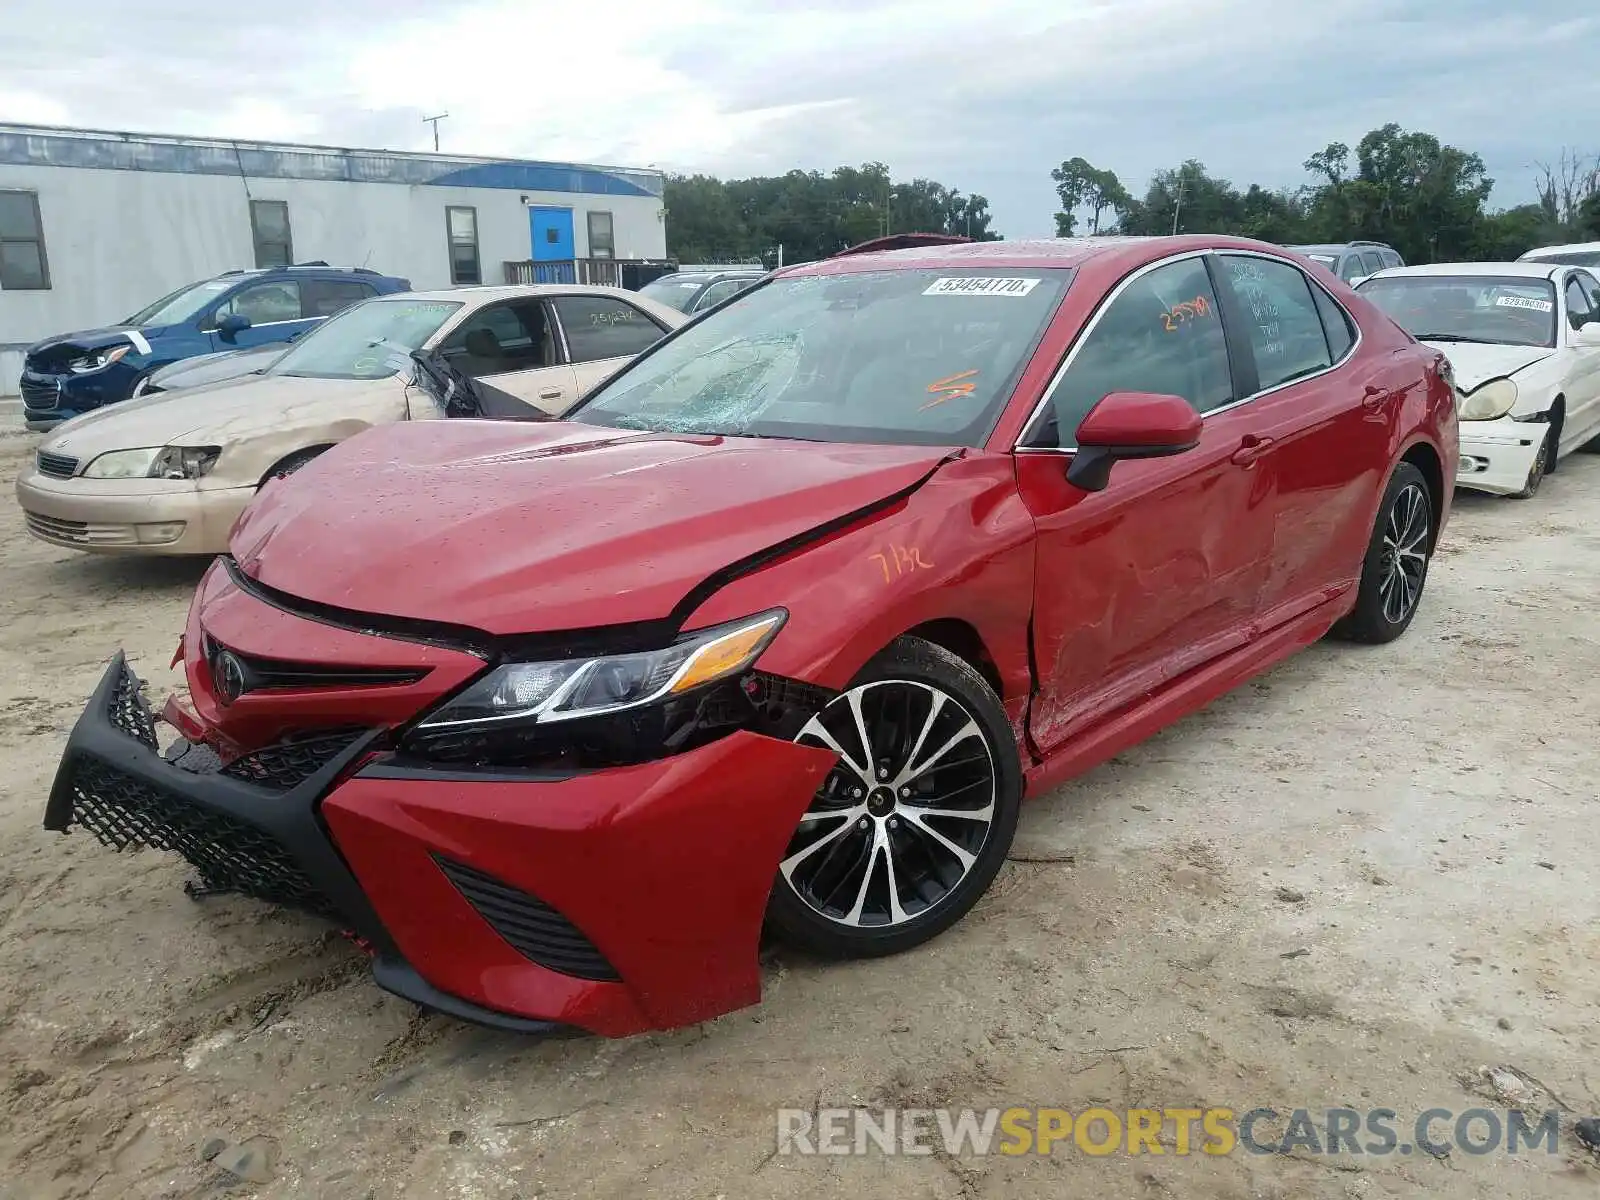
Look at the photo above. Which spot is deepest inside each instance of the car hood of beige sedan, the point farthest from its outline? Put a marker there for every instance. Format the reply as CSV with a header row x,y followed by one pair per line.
x,y
225,413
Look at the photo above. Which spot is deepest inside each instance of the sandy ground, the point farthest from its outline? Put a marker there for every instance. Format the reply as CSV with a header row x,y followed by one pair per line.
x,y
1432,805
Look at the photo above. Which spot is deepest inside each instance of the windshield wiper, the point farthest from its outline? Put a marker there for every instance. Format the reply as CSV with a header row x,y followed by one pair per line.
x,y
1454,337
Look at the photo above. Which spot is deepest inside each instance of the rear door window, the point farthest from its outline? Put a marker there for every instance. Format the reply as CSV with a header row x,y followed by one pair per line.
x,y
1351,268
265,303
323,297
718,292
599,327
1371,262
1286,331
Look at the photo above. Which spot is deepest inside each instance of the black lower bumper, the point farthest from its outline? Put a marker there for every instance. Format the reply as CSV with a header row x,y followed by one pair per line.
x,y
251,827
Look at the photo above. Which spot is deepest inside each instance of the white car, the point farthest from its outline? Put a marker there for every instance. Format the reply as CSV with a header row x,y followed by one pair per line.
x,y
1573,254
1524,341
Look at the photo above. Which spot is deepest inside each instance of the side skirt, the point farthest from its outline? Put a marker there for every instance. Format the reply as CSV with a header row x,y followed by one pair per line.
x,y
1184,695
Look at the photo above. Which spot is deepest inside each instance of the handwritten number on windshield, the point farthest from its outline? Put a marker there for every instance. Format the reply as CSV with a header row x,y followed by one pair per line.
x,y
950,387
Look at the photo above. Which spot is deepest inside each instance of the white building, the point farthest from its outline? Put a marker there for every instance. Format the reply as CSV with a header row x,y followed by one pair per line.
x,y
95,225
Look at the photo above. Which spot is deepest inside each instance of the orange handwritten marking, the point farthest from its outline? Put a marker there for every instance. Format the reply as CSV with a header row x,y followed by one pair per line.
x,y
950,387
1188,310
902,559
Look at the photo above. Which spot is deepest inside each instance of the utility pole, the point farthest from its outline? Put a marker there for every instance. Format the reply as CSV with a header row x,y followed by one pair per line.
x,y
434,121
1178,207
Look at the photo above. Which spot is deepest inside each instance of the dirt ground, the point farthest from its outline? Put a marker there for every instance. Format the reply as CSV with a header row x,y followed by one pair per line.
x,y
1357,881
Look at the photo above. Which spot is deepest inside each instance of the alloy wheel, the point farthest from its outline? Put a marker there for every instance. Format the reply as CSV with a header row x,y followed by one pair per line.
x,y
1404,562
902,818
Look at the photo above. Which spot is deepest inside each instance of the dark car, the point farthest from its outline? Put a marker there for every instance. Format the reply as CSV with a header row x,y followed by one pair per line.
x,y
1352,261
695,291
73,373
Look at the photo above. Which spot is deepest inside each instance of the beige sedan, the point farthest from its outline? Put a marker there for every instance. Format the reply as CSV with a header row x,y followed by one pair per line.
x,y
169,474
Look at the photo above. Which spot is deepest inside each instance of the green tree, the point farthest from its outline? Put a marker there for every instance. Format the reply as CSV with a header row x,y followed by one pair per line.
x,y
809,214
703,224
1424,198
1186,199
1506,236
1082,185
1588,223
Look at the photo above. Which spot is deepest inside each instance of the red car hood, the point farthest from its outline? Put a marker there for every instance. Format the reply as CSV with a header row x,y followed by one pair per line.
x,y
517,528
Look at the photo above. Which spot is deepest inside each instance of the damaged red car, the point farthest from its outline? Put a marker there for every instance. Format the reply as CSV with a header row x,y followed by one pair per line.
x,y
778,628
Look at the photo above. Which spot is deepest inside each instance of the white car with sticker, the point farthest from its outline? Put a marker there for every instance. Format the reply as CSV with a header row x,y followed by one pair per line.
x,y
1524,341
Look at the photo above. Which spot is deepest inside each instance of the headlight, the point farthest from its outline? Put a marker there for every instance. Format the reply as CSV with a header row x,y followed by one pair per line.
x,y
98,361
155,462
546,693
122,464
1490,402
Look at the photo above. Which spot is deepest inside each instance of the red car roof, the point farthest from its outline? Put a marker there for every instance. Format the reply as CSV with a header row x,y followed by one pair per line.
x,y
1040,253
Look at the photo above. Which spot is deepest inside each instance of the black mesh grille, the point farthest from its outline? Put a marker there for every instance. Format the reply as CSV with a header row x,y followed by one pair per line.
x,y
124,809
230,855
39,395
530,926
289,764
129,713
62,466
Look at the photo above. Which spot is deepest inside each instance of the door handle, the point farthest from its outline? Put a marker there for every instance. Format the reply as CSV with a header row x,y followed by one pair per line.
x,y
1374,397
550,394
1250,449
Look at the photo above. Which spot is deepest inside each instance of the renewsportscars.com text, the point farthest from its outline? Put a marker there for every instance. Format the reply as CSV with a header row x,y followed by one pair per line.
x,y
1165,1131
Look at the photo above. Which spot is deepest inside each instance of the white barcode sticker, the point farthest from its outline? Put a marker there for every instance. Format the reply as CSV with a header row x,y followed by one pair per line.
x,y
980,285
1524,302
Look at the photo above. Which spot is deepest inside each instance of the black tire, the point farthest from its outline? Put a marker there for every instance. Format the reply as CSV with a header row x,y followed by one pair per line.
x,y
866,828
1543,464
1557,419
289,465
1376,617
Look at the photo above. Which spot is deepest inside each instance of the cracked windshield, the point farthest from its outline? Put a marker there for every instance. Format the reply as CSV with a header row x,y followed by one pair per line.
x,y
897,357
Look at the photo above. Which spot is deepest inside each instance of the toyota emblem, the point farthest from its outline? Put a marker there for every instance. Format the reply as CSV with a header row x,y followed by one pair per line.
x,y
229,677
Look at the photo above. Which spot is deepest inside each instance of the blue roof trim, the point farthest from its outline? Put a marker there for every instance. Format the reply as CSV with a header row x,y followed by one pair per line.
x,y
115,152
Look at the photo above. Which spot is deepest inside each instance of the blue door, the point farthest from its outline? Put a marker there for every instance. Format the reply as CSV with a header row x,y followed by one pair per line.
x,y
551,231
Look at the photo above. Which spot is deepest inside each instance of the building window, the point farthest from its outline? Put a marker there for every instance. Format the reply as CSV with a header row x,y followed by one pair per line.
x,y
600,240
23,266
462,226
269,225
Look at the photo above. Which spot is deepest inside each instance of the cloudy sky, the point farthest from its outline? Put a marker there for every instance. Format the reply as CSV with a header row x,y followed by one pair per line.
x,y
985,96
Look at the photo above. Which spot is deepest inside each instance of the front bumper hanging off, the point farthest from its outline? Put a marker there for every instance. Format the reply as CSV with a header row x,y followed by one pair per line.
x,y
615,900
251,827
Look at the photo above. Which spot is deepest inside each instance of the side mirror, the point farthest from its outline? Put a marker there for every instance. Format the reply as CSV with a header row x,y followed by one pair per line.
x,y
1130,425
1588,336
230,326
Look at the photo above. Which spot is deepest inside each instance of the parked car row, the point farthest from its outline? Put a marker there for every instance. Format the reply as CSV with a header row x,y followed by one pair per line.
x,y
170,471
775,628
79,372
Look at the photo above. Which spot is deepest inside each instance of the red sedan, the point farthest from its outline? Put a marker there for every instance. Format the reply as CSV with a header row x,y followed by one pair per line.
x,y
781,625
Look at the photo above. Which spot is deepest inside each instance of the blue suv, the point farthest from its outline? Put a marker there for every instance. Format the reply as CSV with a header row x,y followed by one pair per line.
x,y
75,372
